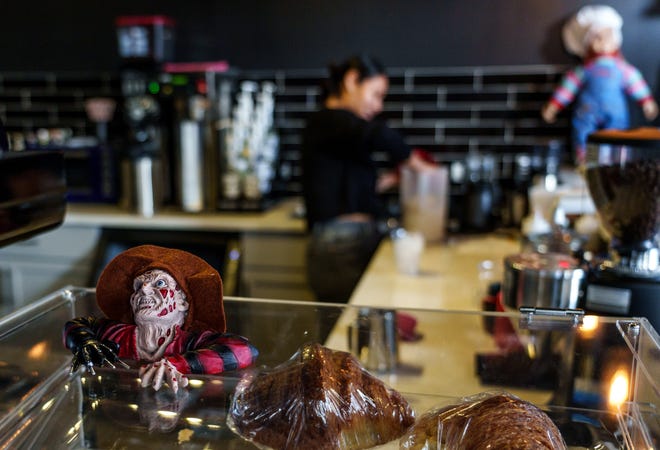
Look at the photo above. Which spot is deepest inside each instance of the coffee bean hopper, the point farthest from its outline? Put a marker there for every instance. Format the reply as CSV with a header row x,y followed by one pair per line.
x,y
623,176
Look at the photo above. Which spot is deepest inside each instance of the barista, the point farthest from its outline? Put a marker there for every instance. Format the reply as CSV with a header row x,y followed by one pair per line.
x,y
340,179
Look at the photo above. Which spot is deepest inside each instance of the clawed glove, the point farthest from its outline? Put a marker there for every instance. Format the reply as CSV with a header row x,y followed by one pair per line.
x,y
87,350
95,353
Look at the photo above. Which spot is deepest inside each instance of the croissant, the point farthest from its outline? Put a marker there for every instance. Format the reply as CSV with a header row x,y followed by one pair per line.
x,y
320,399
488,420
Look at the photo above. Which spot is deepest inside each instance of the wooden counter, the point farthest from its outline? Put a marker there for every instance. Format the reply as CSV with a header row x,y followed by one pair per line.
x,y
448,278
280,218
445,299
271,244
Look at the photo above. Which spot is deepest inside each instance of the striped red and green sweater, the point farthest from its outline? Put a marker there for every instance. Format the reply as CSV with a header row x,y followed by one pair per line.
x,y
205,352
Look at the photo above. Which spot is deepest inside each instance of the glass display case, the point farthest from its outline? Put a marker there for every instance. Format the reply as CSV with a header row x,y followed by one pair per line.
x,y
596,377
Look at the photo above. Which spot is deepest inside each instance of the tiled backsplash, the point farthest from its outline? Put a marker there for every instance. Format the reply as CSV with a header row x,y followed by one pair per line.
x,y
33,100
446,111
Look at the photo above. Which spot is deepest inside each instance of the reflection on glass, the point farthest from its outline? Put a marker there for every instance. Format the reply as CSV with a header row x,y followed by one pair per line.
x,y
618,389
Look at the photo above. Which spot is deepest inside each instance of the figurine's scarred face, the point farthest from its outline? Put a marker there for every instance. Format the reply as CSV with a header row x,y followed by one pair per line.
x,y
158,298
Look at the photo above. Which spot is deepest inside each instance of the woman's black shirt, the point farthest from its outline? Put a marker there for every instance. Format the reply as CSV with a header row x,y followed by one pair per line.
x,y
339,174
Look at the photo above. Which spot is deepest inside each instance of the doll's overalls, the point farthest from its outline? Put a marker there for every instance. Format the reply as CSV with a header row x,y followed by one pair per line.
x,y
601,87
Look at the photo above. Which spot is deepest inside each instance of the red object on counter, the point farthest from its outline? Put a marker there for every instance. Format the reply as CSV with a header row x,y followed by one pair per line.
x,y
504,333
501,328
136,21
406,327
189,67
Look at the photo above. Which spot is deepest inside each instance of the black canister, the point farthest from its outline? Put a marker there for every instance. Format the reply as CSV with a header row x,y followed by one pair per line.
x,y
480,194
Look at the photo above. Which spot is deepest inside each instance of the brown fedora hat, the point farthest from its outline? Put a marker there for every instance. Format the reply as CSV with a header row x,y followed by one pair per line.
x,y
200,282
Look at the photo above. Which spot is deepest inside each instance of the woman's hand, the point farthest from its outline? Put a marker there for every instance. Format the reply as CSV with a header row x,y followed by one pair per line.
x,y
420,161
386,180
154,374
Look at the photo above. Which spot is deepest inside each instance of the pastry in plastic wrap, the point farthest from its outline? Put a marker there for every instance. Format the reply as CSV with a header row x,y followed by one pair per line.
x,y
489,420
319,399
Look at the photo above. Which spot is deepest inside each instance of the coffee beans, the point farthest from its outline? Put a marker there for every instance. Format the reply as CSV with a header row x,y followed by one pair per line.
x,y
628,199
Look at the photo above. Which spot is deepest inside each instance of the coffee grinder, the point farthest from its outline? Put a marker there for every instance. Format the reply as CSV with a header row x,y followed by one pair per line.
x,y
623,176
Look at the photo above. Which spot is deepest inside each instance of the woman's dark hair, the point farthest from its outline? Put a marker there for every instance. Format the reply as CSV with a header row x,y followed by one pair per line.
x,y
366,67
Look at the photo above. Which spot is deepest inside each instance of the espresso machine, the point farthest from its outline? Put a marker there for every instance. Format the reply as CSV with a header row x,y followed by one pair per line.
x,y
145,43
623,177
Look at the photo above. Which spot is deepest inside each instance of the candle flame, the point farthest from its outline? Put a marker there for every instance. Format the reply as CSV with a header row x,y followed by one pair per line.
x,y
589,324
618,388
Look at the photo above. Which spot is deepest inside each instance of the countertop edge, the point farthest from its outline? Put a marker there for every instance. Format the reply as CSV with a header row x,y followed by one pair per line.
x,y
281,218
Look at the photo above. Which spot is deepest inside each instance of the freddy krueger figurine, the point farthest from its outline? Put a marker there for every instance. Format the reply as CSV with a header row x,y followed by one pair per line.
x,y
163,307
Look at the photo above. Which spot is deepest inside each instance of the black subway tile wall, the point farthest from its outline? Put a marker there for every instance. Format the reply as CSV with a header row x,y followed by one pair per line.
x,y
33,100
446,111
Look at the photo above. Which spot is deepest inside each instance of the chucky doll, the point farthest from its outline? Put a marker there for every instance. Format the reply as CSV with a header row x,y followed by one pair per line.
x,y
600,84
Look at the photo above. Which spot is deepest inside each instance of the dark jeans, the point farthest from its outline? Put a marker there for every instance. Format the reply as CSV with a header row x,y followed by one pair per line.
x,y
337,255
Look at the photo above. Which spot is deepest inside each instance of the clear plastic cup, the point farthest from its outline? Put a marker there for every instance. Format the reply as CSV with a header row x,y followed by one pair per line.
x,y
424,197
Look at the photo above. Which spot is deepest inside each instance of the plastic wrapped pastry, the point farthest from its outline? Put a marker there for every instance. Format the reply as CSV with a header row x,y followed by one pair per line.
x,y
487,420
320,399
